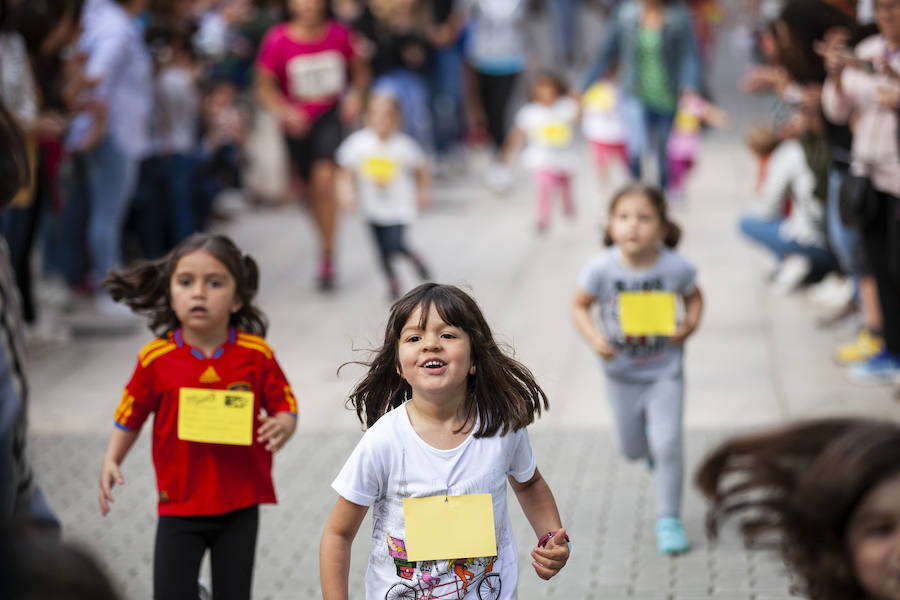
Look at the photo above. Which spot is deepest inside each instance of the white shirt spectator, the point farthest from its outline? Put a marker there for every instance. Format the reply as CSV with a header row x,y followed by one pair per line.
x,y
176,112
17,88
788,172
875,128
117,57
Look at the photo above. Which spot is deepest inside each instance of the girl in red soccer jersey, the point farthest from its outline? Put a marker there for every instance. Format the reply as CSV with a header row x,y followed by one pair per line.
x,y
208,366
301,77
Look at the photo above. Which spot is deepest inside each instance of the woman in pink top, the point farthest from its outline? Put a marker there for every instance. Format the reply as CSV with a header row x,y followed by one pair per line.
x,y
863,88
302,71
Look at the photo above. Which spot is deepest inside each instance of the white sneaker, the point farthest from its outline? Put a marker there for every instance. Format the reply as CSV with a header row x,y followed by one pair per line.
x,y
833,292
793,270
498,178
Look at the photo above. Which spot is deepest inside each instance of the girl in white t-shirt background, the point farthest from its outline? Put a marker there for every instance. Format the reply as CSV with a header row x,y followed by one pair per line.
x,y
546,125
446,411
387,172
602,127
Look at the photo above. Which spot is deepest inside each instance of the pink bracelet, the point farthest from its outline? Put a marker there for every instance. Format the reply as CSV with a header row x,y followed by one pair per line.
x,y
546,538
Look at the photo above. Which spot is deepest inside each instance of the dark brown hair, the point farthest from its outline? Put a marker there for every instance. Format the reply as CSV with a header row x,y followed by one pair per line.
x,y
37,566
145,286
656,197
502,391
562,88
795,489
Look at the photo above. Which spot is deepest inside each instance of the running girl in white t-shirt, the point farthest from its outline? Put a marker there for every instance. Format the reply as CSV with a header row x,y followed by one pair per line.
x,y
446,411
547,124
388,173
602,126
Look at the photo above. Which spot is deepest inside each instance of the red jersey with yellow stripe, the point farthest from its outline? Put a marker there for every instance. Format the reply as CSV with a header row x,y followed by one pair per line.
x,y
197,478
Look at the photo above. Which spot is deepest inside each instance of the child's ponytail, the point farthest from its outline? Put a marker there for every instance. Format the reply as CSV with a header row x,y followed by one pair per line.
x,y
144,288
673,233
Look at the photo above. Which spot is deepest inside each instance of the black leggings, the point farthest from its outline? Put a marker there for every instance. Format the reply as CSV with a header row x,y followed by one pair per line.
x,y
390,240
495,92
181,542
882,244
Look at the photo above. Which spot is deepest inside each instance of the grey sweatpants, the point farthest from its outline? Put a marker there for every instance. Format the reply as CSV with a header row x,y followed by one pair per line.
x,y
647,415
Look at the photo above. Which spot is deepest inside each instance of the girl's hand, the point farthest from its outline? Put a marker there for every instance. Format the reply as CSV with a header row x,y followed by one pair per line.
x,y
606,350
276,430
295,122
109,476
551,558
682,333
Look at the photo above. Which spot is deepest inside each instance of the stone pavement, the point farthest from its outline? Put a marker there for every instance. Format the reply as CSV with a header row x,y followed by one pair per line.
x,y
756,360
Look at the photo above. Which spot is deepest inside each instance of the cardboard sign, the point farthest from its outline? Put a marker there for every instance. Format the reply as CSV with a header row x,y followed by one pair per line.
x,y
600,97
647,313
215,416
380,170
556,134
449,527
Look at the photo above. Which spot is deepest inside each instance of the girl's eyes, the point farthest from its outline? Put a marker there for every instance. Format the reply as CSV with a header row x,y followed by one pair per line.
x,y
880,529
413,338
448,336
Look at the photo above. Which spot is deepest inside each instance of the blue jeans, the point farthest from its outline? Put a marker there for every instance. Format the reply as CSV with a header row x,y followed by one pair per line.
x,y
766,233
642,124
564,20
164,203
411,91
98,196
447,98
844,240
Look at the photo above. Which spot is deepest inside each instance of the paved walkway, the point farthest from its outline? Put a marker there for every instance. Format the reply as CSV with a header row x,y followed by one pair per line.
x,y
756,360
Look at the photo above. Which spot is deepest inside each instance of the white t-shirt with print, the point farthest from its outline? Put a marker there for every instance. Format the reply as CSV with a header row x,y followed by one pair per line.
x,y
601,121
385,174
392,462
550,131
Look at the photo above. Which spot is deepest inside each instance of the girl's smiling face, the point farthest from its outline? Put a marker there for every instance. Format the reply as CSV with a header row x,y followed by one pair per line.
x,y
873,538
434,357
202,293
635,225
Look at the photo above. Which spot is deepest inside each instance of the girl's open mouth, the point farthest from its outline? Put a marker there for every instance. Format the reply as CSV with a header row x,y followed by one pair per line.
x,y
434,364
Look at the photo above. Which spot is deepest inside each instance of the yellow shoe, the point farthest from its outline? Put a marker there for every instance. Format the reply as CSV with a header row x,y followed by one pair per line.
x,y
865,346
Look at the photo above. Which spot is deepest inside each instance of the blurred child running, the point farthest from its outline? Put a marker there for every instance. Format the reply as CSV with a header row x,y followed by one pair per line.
x,y
683,147
602,126
209,357
641,272
388,171
547,124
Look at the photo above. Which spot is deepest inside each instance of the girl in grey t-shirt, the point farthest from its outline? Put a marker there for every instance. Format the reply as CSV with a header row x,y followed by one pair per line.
x,y
639,282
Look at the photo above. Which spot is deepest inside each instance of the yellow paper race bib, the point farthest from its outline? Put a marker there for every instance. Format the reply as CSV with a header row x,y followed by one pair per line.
x,y
600,97
556,134
687,122
215,416
449,527
380,170
647,313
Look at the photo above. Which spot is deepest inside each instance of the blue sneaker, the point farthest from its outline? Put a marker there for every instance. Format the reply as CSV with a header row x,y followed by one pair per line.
x,y
670,536
881,368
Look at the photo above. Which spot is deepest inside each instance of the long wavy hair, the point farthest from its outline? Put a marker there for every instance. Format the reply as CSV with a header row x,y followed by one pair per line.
x,y
144,288
502,392
795,490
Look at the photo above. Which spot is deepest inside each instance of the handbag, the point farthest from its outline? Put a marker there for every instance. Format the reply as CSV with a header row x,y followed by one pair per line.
x,y
858,202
